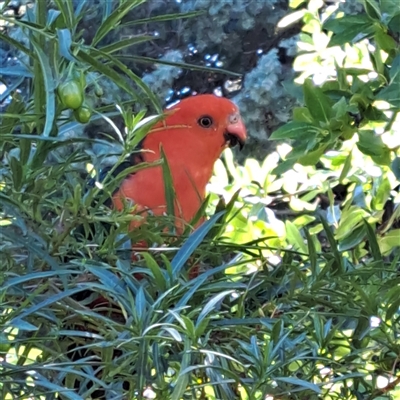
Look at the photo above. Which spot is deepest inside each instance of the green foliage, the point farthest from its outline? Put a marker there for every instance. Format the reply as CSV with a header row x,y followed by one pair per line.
x,y
298,291
353,100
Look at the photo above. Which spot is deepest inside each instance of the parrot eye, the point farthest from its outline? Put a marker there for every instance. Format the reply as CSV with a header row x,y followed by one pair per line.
x,y
205,122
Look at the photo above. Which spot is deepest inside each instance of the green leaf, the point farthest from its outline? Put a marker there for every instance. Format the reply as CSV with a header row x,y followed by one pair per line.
x,y
156,270
67,10
317,102
359,32
191,67
346,167
339,25
372,9
384,41
114,19
395,167
284,166
139,82
333,247
394,24
373,244
210,306
384,158
122,44
51,299
108,72
169,189
299,382
19,46
49,88
382,194
391,93
349,221
312,157
302,114
17,173
354,238
395,69
312,253
295,130
389,242
294,237
192,243
390,7
183,377
370,143
163,18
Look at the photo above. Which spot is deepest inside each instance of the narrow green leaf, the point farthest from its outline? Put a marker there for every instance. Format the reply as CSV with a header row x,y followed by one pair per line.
x,y
183,377
100,67
169,188
312,254
67,10
210,306
140,304
192,243
156,270
46,302
299,382
10,89
373,243
32,247
191,67
382,194
114,19
107,9
16,71
49,89
122,44
333,247
17,45
163,18
17,173
22,325
346,167
108,72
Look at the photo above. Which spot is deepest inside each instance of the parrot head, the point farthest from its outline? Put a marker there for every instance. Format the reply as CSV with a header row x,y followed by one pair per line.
x,y
199,126
216,117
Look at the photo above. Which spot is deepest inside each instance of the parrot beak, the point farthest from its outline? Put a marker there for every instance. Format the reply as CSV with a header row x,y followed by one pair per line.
x,y
235,133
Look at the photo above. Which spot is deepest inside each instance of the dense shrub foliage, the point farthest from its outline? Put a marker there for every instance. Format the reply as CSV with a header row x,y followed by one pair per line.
x,y
298,296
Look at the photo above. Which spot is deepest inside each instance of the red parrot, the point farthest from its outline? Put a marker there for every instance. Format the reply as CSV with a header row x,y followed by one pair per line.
x,y
193,135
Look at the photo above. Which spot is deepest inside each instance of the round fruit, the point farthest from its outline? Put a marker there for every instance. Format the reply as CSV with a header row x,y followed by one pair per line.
x,y
70,94
82,115
98,91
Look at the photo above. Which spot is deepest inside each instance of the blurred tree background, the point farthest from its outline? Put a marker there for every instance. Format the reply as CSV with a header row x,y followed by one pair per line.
x,y
299,292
